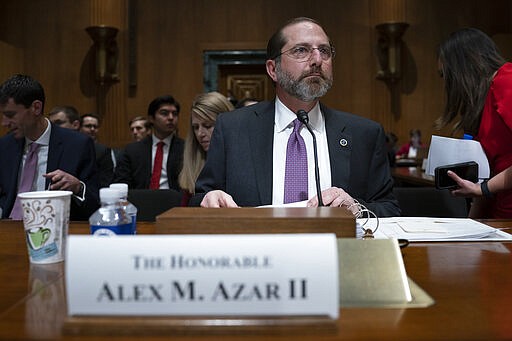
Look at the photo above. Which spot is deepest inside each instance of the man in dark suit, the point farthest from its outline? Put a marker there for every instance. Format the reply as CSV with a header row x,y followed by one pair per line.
x,y
65,159
136,167
90,125
65,116
247,158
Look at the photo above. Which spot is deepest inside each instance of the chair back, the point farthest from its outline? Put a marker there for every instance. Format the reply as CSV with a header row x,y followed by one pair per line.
x,y
152,202
430,202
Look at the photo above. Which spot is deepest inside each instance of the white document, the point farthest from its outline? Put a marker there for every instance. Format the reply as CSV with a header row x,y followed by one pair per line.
x,y
446,151
198,275
421,229
291,204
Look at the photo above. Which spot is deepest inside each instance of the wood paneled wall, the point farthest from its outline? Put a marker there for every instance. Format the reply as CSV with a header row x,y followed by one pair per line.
x,y
47,39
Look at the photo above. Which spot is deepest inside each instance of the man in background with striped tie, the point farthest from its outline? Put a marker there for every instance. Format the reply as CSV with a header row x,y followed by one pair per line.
x,y
36,155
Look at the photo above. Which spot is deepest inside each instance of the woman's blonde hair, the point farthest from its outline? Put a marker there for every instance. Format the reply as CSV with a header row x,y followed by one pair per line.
x,y
207,107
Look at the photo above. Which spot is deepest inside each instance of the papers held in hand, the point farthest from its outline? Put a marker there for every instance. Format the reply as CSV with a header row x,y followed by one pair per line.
x,y
448,151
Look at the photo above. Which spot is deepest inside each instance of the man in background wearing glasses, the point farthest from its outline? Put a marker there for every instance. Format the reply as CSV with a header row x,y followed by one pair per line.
x,y
247,161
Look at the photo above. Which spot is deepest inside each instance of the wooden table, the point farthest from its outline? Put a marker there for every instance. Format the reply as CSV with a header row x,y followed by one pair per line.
x,y
470,283
411,176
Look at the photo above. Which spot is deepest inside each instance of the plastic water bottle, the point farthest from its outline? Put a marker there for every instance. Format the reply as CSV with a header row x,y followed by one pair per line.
x,y
111,218
128,206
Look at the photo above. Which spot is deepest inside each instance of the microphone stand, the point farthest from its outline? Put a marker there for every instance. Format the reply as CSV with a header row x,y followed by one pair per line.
x,y
302,115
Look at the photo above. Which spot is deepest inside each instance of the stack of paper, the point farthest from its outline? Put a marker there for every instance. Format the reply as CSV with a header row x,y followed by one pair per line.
x,y
435,229
446,151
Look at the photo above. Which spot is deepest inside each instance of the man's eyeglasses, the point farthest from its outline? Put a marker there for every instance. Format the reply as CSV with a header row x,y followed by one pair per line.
x,y
303,53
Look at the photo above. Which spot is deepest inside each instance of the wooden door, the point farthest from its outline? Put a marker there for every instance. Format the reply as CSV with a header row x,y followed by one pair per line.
x,y
245,81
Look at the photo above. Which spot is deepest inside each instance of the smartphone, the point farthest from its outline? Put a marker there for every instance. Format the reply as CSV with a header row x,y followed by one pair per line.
x,y
466,170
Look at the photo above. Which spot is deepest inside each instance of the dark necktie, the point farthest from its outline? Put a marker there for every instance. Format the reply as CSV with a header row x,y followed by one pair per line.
x,y
27,178
157,166
296,171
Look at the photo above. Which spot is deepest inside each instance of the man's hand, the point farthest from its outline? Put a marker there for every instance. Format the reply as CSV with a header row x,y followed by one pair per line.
x,y
218,198
60,180
335,197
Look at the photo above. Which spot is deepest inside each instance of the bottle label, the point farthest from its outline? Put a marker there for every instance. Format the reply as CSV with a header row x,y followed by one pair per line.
x,y
99,230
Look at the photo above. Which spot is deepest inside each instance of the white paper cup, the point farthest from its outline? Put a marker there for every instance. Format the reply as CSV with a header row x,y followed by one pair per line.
x,y
46,223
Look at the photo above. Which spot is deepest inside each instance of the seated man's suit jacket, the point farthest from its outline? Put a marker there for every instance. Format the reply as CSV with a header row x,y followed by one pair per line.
x,y
240,158
134,168
69,151
105,164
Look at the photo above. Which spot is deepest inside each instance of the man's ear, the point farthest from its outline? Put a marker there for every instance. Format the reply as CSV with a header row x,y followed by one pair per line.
x,y
271,69
37,106
75,125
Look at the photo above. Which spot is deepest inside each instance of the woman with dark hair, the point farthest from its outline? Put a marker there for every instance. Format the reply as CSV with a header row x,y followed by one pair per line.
x,y
478,86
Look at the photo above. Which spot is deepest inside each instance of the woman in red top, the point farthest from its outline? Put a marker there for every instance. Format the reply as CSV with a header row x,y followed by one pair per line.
x,y
478,85
410,149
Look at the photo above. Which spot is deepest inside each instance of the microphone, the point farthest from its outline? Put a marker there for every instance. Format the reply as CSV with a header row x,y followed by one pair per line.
x,y
302,115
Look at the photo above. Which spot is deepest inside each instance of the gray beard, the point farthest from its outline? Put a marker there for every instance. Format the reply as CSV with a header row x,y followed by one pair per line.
x,y
306,90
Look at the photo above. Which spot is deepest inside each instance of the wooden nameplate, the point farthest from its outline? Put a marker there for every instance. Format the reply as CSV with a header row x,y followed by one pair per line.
x,y
182,325
197,220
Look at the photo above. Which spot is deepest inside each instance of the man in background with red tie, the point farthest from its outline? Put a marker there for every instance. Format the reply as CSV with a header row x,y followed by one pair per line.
x,y
36,155
262,155
155,161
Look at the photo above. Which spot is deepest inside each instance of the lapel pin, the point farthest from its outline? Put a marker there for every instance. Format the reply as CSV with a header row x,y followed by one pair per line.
x,y
343,142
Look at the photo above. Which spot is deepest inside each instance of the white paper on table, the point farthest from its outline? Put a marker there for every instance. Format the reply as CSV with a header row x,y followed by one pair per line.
x,y
416,229
446,151
291,204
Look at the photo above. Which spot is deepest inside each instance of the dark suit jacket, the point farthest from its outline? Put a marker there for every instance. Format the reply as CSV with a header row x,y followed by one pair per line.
x,y
69,151
134,168
239,159
105,164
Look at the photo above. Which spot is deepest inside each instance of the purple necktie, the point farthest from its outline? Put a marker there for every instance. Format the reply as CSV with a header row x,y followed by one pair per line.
x,y
296,172
27,178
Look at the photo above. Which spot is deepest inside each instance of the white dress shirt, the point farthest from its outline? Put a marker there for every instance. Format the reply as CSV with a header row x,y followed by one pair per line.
x,y
42,158
283,127
39,183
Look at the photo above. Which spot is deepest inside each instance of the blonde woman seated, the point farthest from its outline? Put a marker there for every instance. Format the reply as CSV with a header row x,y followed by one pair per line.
x,y
205,109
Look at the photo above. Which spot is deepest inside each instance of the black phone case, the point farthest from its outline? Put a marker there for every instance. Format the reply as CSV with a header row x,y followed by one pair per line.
x,y
466,170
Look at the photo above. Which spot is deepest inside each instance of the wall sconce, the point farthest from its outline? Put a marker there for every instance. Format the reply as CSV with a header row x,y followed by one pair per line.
x,y
107,53
389,47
